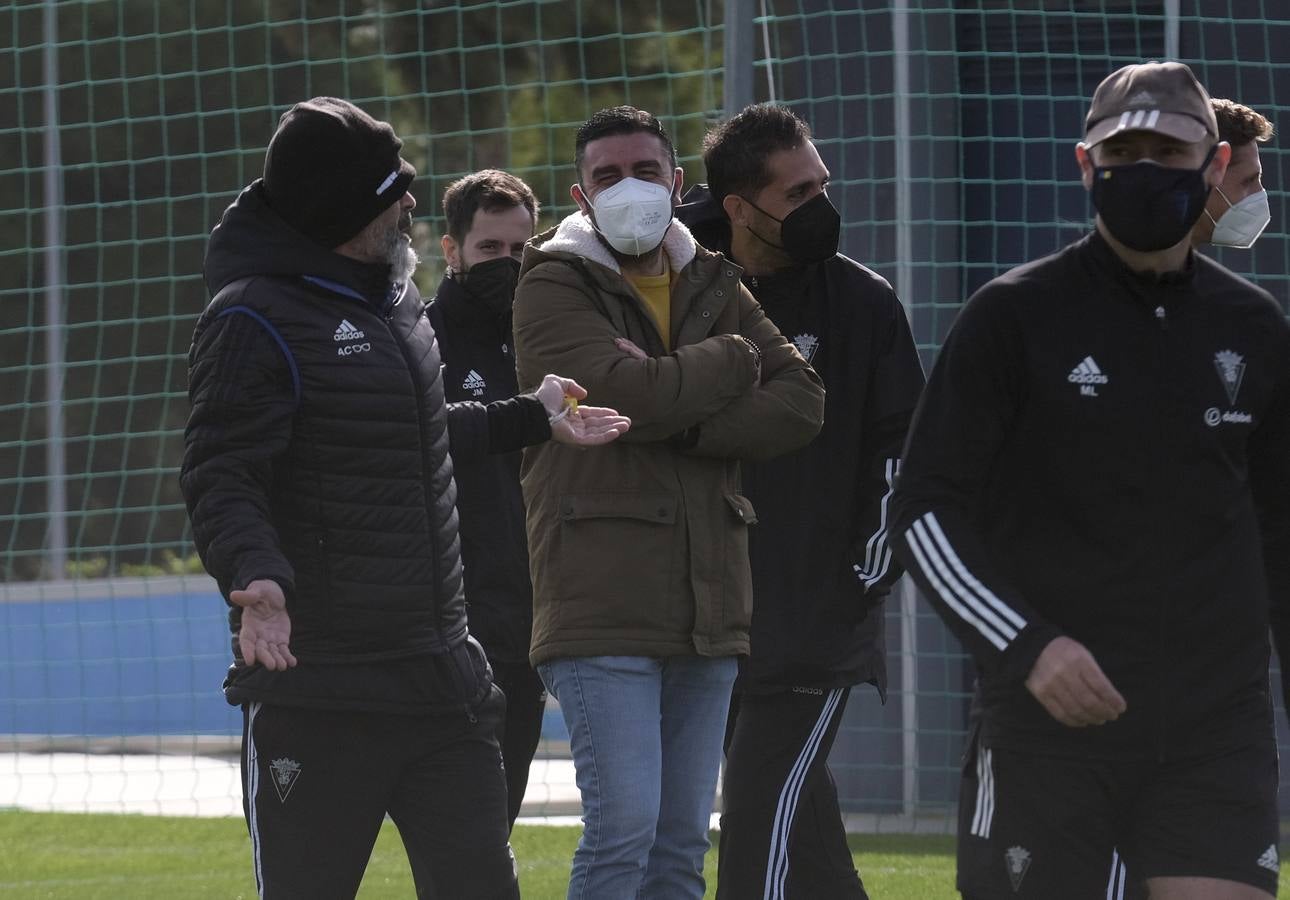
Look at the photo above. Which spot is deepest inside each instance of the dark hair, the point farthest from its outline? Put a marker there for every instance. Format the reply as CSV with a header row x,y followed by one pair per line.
x,y
618,120
491,190
735,152
1238,124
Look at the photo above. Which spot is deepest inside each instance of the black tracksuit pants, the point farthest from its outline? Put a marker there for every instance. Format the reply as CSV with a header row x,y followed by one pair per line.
x,y
782,834
317,785
521,728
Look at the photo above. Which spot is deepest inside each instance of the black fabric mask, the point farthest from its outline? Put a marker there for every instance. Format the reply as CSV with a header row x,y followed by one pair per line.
x,y
809,233
1147,206
492,284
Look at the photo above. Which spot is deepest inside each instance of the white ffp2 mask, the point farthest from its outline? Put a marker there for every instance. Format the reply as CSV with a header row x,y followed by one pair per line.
x,y
1243,222
633,215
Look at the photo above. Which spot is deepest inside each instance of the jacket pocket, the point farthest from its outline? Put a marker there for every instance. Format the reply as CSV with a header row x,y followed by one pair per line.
x,y
616,559
743,508
736,593
659,509
313,594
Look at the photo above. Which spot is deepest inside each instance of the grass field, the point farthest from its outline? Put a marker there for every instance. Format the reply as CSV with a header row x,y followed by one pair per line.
x,y
60,856
66,855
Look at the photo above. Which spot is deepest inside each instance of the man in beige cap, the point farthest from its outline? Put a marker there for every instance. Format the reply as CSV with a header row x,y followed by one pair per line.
x,y
1096,497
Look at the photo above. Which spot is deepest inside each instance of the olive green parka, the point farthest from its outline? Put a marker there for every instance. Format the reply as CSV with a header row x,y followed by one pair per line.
x,y
640,547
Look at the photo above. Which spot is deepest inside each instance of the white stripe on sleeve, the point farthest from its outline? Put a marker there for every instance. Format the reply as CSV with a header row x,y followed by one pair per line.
x,y
877,552
953,594
1115,883
970,581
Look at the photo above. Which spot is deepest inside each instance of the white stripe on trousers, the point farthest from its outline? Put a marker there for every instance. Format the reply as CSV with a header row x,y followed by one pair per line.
x,y
1115,884
983,818
782,826
252,794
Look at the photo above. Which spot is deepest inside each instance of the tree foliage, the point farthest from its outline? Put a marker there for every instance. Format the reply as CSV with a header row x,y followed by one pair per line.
x,y
164,113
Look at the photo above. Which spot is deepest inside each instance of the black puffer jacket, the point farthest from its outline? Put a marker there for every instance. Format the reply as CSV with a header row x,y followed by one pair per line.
x,y
479,365
317,455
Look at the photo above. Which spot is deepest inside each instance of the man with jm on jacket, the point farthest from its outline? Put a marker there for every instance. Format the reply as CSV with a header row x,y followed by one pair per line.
x,y
489,216
642,592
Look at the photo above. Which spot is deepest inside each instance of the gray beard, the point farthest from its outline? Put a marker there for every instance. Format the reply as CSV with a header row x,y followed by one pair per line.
x,y
402,258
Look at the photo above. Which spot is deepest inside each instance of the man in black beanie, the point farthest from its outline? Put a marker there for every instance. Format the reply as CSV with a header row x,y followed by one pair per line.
x,y
319,483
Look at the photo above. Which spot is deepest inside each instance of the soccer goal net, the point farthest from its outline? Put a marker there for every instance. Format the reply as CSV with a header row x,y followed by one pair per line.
x,y
126,127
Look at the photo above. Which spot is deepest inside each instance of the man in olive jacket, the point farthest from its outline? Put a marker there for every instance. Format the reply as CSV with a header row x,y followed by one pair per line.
x,y
639,554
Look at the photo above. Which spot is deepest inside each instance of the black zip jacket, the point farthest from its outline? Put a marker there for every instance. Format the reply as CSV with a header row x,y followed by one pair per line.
x,y
479,365
821,564
317,455
1106,455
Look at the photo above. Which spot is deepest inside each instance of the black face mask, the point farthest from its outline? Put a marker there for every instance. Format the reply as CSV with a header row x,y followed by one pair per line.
x,y
1147,206
492,284
809,233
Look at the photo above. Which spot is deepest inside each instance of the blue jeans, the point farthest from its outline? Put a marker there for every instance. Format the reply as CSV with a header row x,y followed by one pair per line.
x,y
646,739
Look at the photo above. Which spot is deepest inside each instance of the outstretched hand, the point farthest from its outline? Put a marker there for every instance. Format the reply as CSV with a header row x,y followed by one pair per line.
x,y
573,423
1070,684
265,634
590,426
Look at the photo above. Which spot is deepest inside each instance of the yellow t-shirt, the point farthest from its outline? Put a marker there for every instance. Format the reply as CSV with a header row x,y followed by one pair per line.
x,y
657,292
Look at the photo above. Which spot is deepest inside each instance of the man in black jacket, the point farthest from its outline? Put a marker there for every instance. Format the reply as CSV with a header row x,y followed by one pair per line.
x,y
490,214
1096,498
319,484
821,566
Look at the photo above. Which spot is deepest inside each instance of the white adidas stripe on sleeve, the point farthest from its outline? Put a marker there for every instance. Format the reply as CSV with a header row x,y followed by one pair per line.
x,y
977,588
974,603
877,552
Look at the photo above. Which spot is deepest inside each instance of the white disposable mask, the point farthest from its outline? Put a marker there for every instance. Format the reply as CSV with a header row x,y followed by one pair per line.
x,y
633,215
1243,222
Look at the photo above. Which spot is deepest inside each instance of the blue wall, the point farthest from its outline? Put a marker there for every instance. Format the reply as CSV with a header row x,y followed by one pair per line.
x,y
123,662
119,665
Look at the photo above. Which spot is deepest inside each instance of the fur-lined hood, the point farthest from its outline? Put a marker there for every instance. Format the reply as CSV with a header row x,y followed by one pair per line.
x,y
575,236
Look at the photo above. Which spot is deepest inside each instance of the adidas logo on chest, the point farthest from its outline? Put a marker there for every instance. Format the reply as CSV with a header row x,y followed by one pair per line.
x,y
345,331
1088,376
474,382
351,339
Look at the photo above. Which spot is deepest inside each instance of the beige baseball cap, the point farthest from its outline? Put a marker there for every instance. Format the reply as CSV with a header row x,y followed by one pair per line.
x,y
1164,97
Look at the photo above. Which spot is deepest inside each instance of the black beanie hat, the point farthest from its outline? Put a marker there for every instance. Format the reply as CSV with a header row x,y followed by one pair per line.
x,y
331,169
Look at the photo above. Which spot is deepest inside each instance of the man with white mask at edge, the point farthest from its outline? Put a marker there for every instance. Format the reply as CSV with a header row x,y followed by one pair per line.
x,y
1237,210
642,595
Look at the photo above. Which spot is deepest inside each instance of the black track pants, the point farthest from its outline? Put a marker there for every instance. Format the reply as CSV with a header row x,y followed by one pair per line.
x,y
317,785
521,728
782,834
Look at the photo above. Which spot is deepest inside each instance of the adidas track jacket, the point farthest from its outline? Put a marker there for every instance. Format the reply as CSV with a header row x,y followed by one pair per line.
x,y
1106,456
821,561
